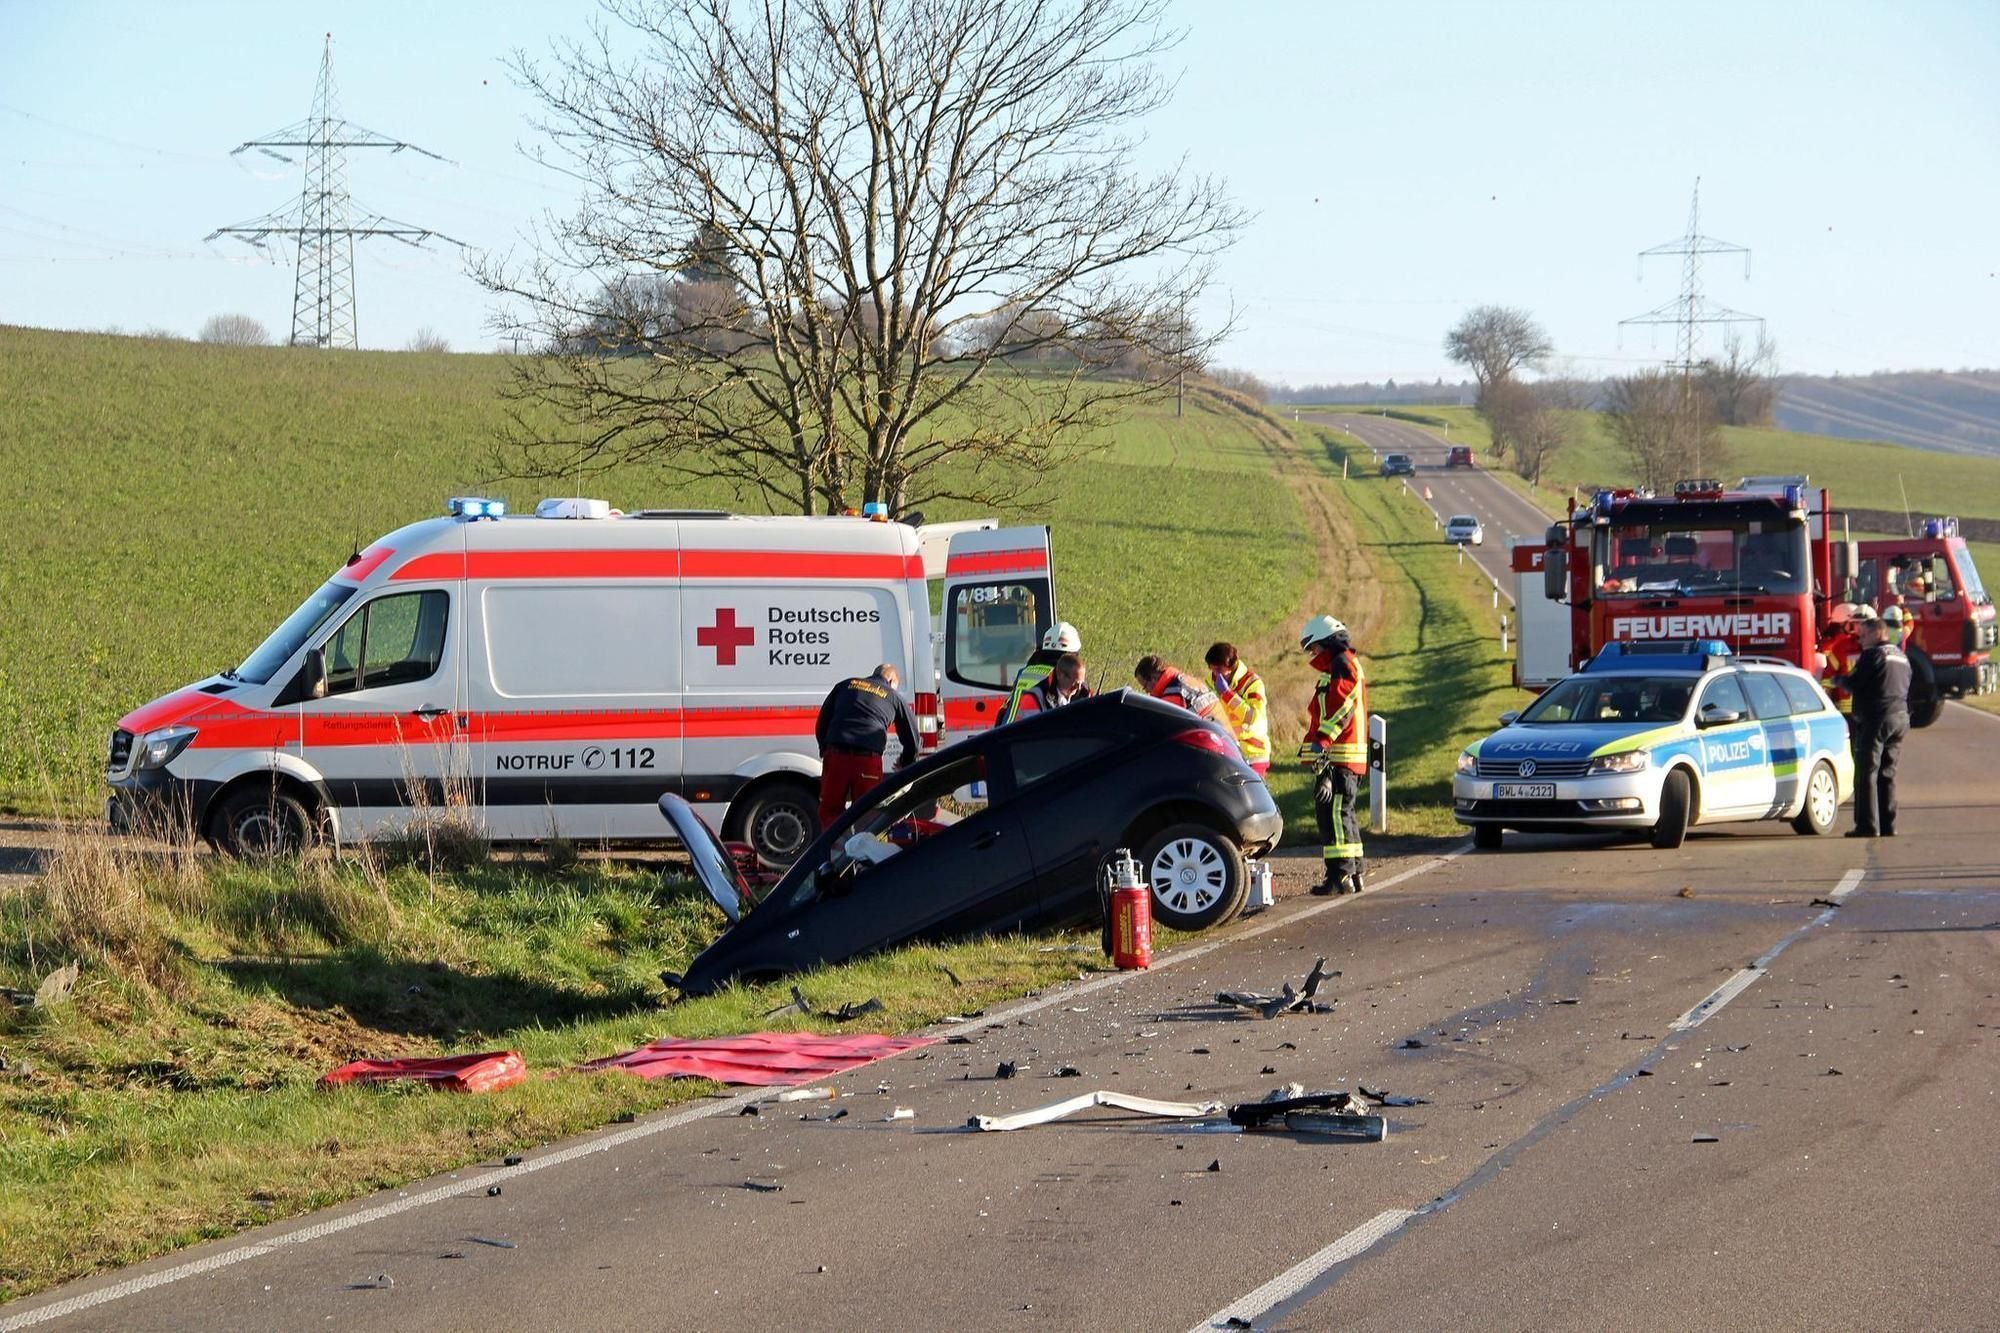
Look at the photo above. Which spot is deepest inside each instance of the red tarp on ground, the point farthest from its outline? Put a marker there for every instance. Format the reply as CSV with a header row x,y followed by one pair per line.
x,y
485,1072
759,1059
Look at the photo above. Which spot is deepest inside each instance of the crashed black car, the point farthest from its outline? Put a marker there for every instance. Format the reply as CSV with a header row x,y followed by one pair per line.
x,y
924,857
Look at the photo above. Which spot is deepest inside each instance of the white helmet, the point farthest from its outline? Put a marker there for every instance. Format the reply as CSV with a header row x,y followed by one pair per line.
x,y
1063,638
1319,629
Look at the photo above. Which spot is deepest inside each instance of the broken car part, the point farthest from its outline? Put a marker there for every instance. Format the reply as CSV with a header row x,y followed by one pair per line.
x,y
1291,1001
1071,1105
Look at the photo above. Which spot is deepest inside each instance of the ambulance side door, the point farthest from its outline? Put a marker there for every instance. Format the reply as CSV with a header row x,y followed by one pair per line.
x,y
386,734
999,599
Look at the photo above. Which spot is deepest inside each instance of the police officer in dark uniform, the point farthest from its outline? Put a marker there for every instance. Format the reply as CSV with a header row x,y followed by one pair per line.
x,y
1880,687
853,731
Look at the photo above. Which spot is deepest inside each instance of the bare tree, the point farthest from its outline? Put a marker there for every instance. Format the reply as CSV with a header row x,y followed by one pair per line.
x,y
234,330
427,339
1529,421
1741,387
1494,342
1662,427
899,198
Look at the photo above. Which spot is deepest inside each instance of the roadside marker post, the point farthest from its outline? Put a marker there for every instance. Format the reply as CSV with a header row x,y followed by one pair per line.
x,y
1503,636
1378,773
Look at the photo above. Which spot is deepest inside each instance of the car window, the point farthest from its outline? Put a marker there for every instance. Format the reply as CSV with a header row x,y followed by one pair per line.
x,y
1724,692
393,640
1766,695
1803,694
1044,757
1613,699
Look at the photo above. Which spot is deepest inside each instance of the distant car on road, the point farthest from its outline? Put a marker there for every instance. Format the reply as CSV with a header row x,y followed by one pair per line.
x,y
1398,465
1460,456
1460,528
911,860
1654,738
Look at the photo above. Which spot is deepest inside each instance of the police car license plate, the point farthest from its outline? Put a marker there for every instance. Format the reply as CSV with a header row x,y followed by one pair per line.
x,y
1524,791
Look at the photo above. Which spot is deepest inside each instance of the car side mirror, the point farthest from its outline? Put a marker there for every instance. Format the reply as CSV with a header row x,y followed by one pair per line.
x,y
315,674
1715,715
1510,717
1555,573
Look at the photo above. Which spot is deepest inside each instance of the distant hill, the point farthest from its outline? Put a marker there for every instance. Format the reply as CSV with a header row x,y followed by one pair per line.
x,y
1951,413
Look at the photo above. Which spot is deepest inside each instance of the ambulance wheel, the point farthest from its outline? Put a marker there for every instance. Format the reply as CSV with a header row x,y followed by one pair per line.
x,y
262,823
1197,875
1821,809
1488,837
780,822
1676,809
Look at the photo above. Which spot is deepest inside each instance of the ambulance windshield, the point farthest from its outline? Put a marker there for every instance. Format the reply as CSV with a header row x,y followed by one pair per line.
x,y
274,652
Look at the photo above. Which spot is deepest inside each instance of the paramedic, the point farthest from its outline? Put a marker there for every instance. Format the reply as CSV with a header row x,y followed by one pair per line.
x,y
1061,638
1241,691
1336,745
853,730
1163,681
1063,685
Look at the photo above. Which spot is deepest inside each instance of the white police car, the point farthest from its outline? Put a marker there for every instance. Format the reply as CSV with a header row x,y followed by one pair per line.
x,y
1661,737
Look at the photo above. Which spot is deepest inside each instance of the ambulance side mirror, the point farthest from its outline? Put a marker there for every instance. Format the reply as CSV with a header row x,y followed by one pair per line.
x,y
314,674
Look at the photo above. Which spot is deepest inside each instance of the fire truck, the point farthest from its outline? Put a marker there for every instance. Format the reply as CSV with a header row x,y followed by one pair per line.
x,y
1758,566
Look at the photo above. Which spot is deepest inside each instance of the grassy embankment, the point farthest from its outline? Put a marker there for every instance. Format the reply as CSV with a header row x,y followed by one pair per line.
x,y
187,509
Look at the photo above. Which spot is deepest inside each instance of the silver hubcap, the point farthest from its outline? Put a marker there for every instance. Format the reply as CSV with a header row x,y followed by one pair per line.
x,y
780,833
1820,796
262,833
1189,875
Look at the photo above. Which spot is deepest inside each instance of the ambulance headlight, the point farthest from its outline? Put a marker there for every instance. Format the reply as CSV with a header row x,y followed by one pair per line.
x,y
156,749
1632,761
1467,761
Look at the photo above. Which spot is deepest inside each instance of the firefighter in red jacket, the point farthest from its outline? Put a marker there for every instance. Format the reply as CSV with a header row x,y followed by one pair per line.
x,y
1162,680
1336,745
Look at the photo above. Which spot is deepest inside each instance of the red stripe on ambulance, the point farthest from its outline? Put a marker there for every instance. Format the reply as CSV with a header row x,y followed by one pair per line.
x,y
997,562
501,565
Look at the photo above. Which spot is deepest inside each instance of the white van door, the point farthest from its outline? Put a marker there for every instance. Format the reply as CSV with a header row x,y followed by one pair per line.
x,y
999,599
388,736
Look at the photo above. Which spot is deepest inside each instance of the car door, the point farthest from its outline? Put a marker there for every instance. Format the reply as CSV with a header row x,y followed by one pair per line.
x,y
1071,794
999,599
1736,772
1786,742
387,734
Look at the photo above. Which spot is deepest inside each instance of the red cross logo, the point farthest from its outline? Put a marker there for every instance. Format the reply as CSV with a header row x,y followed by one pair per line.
x,y
725,636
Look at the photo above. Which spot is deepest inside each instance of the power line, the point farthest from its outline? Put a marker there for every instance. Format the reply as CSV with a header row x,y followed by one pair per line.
x,y
323,305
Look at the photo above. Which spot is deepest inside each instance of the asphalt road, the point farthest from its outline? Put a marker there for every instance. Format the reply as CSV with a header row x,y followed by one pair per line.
x,y
1577,1012
1453,490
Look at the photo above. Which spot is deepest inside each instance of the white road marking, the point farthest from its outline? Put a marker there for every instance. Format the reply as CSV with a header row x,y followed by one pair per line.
x,y
1308,1270
1713,1002
1975,712
727,1106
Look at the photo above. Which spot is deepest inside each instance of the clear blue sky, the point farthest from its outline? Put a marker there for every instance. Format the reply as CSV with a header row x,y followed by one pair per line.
x,y
1403,160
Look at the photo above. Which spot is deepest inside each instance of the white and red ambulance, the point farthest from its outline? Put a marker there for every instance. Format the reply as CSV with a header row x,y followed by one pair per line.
x,y
556,674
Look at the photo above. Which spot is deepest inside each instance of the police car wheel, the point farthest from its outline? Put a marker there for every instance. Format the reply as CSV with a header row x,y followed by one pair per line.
x,y
1196,874
1821,809
1676,811
262,824
780,822
1488,837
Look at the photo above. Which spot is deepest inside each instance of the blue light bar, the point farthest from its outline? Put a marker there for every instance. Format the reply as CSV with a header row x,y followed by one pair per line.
x,y
474,507
1938,528
875,509
1795,496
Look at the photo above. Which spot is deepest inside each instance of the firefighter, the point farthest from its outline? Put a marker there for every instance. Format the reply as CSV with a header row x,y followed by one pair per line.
x,y
1164,681
1065,684
853,731
1838,648
1336,745
1879,685
1061,638
1241,691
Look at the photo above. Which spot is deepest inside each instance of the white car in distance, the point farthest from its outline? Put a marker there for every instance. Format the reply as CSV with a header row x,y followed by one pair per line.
x,y
1464,528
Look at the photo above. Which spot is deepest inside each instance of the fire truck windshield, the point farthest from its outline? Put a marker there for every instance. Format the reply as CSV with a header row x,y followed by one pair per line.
x,y
1968,572
1740,556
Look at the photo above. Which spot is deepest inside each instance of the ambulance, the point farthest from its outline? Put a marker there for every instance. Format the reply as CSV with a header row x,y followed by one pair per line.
x,y
554,675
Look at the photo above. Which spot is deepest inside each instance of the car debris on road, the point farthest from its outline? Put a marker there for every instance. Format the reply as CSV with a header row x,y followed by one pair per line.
x,y
1299,1001
1069,1106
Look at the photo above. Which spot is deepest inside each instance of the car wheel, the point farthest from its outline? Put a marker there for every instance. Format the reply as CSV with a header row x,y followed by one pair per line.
x,y
1488,837
1821,809
262,823
1676,809
780,822
1196,874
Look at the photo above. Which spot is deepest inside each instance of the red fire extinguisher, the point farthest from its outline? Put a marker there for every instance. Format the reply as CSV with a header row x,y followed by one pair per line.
x,y
1128,914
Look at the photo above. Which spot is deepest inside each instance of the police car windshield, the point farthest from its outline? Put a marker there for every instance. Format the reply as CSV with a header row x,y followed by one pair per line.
x,y
1745,556
1596,700
274,652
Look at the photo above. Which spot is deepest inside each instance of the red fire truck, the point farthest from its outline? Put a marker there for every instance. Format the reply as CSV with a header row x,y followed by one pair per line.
x,y
1757,566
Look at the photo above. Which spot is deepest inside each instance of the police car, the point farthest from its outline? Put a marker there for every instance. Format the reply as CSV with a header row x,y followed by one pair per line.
x,y
1660,737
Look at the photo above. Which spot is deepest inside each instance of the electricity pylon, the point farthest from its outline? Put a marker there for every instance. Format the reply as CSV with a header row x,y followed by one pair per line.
x,y
323,295
1690,310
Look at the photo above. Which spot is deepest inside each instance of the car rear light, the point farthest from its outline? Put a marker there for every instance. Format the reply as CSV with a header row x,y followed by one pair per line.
x,y
1208,738
930,721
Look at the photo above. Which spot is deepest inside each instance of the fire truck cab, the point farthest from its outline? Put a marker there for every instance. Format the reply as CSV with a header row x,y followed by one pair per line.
x,y
1931,576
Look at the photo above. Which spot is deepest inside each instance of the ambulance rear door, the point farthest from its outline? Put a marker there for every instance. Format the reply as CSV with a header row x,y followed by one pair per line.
x,y
999,599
